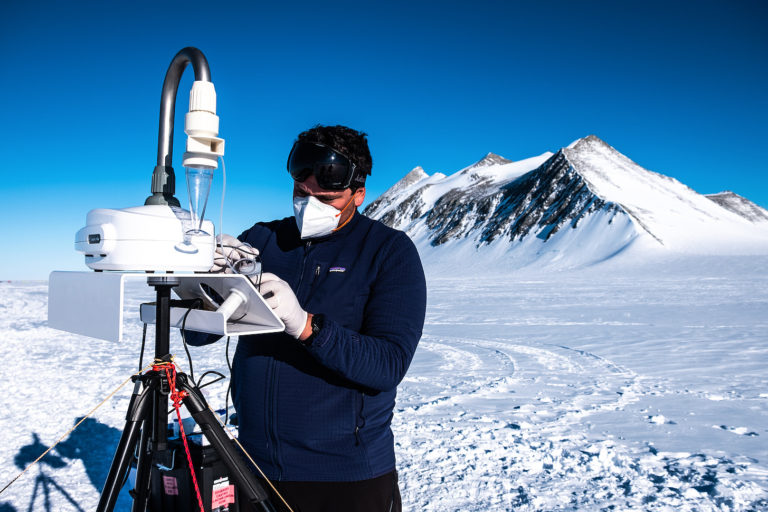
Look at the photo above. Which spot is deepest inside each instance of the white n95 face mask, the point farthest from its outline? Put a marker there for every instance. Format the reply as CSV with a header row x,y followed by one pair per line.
x,y
315,218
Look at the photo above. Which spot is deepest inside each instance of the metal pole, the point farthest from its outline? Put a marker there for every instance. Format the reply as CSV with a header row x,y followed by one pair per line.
x,y
168,98
163,177
162,285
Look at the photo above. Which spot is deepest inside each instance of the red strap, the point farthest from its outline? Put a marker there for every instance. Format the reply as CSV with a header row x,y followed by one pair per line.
x,y
177,397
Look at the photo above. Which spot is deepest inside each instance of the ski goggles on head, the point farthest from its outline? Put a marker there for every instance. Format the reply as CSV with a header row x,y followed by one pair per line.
x,y
332,170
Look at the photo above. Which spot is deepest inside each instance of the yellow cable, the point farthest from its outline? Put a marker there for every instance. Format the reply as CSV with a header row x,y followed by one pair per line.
x,y
73,428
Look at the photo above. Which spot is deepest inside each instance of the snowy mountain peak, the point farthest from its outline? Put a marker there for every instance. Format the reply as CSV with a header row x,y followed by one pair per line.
x,y
417,174
489,160
585,203
394,194
414,176
589,139
740,206
592,144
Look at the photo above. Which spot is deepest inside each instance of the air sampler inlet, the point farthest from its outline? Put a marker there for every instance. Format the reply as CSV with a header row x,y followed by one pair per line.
x,y
160,235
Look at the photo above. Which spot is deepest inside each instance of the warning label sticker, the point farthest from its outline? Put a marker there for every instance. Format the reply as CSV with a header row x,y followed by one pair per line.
x,y
171,487
223,493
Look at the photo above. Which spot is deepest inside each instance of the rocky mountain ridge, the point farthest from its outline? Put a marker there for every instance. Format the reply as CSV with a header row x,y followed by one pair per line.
x,y
740,205
545,203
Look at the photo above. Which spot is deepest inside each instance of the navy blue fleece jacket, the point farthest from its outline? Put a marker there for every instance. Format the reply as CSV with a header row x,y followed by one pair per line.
x,y
323,412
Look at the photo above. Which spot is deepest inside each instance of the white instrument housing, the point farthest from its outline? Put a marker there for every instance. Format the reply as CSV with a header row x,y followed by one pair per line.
x,y
145,238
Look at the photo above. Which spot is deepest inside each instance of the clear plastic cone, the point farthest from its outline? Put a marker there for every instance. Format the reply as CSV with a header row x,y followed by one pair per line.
x,y
198,187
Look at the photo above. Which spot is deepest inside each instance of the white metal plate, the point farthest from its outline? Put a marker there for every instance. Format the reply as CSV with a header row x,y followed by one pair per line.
x,y
91,304
87,303
253,317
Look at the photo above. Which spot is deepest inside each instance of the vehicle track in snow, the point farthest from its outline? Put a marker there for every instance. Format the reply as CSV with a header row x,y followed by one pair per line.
x,y
464,370
498,425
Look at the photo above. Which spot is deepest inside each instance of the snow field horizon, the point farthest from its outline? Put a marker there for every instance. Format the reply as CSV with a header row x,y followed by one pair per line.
x,y
628,385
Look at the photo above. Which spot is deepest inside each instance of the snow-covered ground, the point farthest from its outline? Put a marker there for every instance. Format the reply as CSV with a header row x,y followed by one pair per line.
x,y
612,387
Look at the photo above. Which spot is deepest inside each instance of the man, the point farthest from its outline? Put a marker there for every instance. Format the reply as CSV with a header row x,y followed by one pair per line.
x,y
315,403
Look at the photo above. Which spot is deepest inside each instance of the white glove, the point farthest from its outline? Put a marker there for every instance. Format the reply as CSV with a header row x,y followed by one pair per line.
x,y
229,252
284,303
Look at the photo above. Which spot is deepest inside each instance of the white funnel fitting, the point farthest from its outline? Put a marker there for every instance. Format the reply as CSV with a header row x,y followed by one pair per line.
x,y
201,125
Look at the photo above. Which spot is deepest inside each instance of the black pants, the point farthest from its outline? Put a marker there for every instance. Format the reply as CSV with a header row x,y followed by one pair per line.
x,y
380,494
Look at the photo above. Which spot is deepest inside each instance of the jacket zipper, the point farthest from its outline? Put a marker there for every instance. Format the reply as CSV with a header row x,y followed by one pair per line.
x,y
271,420
359,419
273,384
272,417
303,265
318,268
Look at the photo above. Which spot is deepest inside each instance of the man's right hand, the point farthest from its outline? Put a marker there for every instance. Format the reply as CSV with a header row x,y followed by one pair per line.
x,y
280,297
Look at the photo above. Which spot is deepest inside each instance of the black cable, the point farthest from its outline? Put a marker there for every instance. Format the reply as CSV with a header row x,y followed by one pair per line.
x,y
229,386
196,303
143,341
226,354
255,260
209,372
244,248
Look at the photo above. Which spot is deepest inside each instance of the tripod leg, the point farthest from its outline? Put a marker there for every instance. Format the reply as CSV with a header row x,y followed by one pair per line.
x,y
34,493
143,471
64,493
138,411
214,432
46,495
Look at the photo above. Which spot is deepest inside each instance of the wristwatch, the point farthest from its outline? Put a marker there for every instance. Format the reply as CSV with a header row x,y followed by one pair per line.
x,y
317,325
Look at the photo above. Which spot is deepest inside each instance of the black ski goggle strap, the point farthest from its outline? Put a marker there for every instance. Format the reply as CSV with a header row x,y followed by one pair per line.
x,y
332,170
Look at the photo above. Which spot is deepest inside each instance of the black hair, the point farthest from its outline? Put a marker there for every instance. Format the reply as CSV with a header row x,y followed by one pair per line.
x,y
350,143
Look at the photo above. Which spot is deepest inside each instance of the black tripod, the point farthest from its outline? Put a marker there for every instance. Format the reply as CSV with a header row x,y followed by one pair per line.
x,y
147,419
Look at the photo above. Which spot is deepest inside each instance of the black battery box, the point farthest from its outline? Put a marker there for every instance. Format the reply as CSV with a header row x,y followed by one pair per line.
x,y
172,489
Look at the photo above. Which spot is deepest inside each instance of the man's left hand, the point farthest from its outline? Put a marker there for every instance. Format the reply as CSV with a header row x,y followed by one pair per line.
x,y
284,304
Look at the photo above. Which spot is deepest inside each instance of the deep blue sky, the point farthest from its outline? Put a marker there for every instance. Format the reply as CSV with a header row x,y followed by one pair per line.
x,y
679,87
